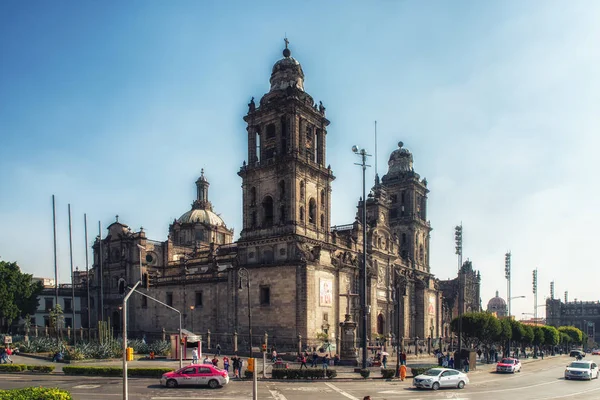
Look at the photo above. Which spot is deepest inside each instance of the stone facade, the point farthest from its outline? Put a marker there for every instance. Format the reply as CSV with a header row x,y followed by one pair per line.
x,y
298,265
584,315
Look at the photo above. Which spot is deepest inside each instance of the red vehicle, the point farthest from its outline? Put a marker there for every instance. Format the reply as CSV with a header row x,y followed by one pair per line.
x,y
200,374
511,365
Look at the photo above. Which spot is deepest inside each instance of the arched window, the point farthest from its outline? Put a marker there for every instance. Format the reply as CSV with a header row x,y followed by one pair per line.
x,y
301,214
257,142
253,219
282,214
312,211
252,196
281,189
322,198
301,190
421,253
283,135
267,211
322,221
270,131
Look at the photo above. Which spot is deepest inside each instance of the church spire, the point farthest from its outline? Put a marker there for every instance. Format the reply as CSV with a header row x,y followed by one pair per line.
x,y
202,201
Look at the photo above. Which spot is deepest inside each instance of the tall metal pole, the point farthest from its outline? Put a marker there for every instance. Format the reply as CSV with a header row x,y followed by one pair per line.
x,y
55,259
72,273
459,251
101,277
125,388
507,267
87,276
363,293
398,333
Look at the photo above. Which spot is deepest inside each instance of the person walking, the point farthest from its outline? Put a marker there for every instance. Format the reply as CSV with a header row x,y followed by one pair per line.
x,y
218,350
240,367
303,361
226,364
195,356
466,364
325,361
273,356
403,372
403,358
451,362
384,361
215,361
315,358
206,360
236,366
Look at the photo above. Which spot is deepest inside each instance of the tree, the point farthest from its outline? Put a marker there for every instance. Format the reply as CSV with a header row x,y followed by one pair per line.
x,y
528,335
538,336
478,328
57,320
18,293
575,334
518,331
551,336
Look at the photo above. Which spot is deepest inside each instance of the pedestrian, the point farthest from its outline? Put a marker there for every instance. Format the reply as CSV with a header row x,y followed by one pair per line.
x,y
215,361
479,353
451,362
226,364
384,361
466,364
325,361
445,362
236,366
195,356
403,358
206,360
336,360
273,356
218,350
303,361
3,357
402,372
241,364
315,358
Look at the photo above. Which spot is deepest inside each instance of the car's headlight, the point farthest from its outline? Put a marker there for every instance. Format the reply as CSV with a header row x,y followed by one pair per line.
x,y
428,380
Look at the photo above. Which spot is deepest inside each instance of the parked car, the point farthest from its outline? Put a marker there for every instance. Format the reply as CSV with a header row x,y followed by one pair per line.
x,y
203,374
511,365
436,378
582,370
575,353
596,352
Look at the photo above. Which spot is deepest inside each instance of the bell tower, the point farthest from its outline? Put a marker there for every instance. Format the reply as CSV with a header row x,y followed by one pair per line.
x,y
408,208
286,182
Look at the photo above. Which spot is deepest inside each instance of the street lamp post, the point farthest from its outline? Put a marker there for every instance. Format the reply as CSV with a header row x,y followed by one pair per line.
x,y
243,273
362,153
459,251
192,313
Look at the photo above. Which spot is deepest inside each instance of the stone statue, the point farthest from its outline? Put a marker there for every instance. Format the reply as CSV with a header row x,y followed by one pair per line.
x,y
251,105
321,107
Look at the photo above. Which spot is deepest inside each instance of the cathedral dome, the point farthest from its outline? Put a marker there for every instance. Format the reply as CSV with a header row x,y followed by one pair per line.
x,y
287,72
201,215
401,160
496,303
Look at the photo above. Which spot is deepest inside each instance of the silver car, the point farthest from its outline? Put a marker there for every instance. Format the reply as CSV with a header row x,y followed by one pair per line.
x,y
582,370
436,378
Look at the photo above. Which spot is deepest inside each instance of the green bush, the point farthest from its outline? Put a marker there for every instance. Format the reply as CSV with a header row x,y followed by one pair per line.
x,y
116,371
42,345
295,374
388,373
35,393
365,373
420,369
40,368
12,367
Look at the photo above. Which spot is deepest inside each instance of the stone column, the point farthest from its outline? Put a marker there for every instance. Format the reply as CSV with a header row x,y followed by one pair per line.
x,y
235,342
299,344
208,339
348,351
164,334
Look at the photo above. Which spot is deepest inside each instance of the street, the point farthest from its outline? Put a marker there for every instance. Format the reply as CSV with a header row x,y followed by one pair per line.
x,y
540,379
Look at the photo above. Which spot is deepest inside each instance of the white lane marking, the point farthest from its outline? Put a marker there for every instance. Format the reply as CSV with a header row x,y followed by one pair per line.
x,y
194,398
516,388
574,394
86,386
277,395
340,391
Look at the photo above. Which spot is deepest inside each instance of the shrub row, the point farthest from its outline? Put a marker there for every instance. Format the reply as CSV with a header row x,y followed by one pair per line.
x,y
388,373
36,393
313,373
420,369
116,371
23,367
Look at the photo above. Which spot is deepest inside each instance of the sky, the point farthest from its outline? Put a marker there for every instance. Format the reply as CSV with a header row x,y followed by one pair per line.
x,y
115,107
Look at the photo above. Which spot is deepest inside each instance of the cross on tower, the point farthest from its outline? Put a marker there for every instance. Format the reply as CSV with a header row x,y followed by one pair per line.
x,y
117,217
286,42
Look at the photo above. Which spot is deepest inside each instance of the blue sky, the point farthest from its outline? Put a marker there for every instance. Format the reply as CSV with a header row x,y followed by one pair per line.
x,y
115,107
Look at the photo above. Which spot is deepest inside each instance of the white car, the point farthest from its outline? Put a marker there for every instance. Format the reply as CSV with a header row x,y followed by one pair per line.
x,y
582,370
436,378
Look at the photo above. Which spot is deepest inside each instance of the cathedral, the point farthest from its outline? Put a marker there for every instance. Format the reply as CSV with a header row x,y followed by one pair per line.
x,y
299,276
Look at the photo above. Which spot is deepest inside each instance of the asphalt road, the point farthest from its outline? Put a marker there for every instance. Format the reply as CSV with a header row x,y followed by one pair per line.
x,y
540,380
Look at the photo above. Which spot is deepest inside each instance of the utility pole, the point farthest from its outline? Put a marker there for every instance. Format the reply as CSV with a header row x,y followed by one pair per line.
x,y
507,265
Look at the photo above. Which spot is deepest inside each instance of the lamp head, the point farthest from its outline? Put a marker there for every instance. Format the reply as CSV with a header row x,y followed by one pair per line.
x,y
355,149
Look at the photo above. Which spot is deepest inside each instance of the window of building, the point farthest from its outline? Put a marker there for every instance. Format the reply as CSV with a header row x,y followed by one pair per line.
x,y
200,235
326,317
282,214
265,295
69,322
283,135
144,302
169,299
198,299
301,190
220,238
301,214
253,219
252,196
268,211
68,305
270,131
322,198
394,198
312,211
48,304
281,189
46,320
322,221
257,140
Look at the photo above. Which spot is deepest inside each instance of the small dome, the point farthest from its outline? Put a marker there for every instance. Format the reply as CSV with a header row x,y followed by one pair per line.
x,y
201,215
287,72
401,160
496,303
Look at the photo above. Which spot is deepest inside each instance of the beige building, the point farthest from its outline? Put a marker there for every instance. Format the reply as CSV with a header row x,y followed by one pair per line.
x,y
299,266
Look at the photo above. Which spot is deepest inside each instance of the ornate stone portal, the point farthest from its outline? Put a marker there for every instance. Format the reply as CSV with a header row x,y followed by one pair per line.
x,y
348,350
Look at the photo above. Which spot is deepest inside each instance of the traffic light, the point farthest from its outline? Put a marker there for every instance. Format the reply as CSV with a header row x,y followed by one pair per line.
x,y
458,239
250,365
507,265
264,348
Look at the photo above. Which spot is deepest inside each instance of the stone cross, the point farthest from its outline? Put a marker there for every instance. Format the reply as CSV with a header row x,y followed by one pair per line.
x,y
286,42
349,295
